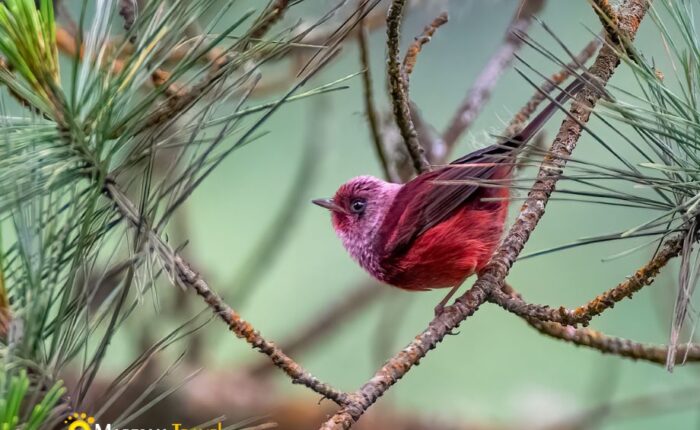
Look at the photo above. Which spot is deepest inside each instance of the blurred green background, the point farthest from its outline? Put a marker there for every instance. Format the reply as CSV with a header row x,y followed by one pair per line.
x,y
497,369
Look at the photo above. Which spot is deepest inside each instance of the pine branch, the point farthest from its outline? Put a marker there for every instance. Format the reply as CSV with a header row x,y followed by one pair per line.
x,y
493,275
608,18
398,89
181,271
91,149
616,345
69,45
396,367
609,344
583,314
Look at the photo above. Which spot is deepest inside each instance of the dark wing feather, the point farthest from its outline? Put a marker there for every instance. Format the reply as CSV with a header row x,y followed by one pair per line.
x,y
425,202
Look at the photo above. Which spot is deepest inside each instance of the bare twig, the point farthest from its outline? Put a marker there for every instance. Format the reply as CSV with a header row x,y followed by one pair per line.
x,y
583,314
184,275
494,274
398,89
412,52
643,277
480,92
368,96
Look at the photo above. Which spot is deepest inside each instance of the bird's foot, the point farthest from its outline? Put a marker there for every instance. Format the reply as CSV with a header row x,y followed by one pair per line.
x,y
439,309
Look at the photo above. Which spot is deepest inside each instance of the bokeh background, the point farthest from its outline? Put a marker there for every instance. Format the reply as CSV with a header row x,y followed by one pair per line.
x,y
497,370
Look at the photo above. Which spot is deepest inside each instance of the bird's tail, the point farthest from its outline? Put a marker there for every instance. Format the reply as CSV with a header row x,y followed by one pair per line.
x,y
507,146
534,126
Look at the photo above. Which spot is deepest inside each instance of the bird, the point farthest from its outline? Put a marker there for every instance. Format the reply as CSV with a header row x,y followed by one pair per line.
x,y
442,226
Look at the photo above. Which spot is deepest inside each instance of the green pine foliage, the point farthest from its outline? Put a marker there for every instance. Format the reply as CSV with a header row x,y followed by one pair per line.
x,y
657,119
102,122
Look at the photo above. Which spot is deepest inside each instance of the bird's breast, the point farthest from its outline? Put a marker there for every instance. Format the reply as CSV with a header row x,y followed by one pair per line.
x,y
448,253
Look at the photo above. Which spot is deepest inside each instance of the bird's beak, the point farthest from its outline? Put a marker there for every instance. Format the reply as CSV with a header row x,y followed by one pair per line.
x,y
328,204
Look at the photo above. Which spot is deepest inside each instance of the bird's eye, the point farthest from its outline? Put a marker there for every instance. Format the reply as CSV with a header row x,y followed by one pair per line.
x,y
358,206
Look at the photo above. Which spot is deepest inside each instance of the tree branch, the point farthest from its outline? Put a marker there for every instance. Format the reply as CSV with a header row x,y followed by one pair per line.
x,y
494,274
583,314
398,89
616,345
409,61
608,18
401,363
604,343
181,271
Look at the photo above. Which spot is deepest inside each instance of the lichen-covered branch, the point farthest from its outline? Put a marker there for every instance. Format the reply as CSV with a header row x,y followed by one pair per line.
x,y
565,142
583,314
486,81
494,274
181,271
608,18
616,345
641,278
401,363
398,89
604,343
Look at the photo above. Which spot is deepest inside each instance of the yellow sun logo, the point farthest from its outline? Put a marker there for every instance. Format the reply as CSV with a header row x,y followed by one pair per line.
x,y
78,421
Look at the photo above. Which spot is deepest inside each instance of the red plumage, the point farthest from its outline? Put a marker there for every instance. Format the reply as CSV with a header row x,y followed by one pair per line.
x,y
454,249
439,228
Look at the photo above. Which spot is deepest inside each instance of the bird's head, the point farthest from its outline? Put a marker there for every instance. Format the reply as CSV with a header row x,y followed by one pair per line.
x,y
358,208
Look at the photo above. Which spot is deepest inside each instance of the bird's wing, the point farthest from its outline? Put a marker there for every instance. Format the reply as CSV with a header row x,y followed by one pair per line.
x,y
427,200
432,197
